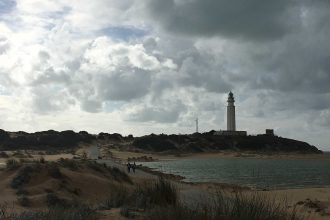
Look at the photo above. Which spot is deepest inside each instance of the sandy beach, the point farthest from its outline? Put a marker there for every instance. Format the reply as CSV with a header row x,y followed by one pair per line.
x,y
303,198
124,155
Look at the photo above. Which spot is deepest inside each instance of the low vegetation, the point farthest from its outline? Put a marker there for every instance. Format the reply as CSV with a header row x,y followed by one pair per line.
x,y
158,199
24,175
79,212
222,207
201,142
12,164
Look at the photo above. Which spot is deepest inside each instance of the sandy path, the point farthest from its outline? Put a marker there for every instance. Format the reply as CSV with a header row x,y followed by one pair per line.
x,y
138,173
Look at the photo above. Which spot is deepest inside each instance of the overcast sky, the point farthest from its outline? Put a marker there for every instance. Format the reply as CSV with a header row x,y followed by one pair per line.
x,y
143,66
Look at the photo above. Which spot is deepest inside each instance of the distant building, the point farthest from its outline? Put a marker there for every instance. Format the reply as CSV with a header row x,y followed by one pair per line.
x,y
270,132
231,133
231,120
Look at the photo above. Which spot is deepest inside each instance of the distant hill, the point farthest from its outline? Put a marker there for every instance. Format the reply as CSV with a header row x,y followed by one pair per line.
x,y
208,142
205,142
43,140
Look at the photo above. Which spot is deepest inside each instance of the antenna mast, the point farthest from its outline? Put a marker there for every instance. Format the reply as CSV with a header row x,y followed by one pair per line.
x,y
196,125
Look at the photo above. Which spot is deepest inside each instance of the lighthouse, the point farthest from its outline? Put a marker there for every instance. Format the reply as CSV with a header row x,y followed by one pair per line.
x,y
231,123
231,120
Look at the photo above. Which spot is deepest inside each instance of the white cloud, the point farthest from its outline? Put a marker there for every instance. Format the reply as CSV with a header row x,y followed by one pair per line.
x,y
60,69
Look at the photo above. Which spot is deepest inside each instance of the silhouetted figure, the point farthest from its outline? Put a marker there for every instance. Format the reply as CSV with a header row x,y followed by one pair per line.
x,y
133,167
129,167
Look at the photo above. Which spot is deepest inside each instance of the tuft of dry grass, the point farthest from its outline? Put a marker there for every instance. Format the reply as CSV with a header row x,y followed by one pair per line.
x,y
222,207
79,212
12,164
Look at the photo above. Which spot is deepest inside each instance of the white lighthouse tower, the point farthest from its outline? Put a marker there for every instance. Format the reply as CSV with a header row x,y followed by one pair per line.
x,y
231,120
231,123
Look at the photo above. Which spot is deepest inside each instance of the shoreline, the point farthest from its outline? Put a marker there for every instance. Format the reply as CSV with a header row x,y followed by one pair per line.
x,y
125,155
302,196
181,179
222,155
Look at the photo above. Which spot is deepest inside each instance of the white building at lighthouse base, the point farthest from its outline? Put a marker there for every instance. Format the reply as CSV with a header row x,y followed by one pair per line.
x,y
231,133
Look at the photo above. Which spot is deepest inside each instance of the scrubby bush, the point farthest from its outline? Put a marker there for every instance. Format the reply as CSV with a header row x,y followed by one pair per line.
x,y
158,193
95,166
3,154
118,198
68,163
79,212
119,175
53,200
19,155
12,164
42,160
54,172
124,211
21,191
24,175
239,207
23,200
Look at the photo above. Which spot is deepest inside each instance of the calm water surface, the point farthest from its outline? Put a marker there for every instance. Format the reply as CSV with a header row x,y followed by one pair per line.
x,y
259,173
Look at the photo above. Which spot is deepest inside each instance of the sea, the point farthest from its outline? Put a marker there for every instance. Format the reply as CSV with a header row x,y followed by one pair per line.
x,y
250,172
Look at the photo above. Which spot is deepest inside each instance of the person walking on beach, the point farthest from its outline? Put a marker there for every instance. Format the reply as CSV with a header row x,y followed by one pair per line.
x,y
133,167
128,167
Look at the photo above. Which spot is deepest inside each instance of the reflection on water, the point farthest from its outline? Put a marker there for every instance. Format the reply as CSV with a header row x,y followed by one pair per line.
x,y
260,173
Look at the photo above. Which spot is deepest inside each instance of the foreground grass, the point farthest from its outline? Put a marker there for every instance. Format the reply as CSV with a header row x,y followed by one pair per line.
x,y
55,213
160,200
153,200
238,207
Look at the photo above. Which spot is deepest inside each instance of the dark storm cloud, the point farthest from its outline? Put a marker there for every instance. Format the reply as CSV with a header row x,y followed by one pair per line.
x,y
125,85
49,99
253,19
300,63
196,72
92,91
168,113
91,105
